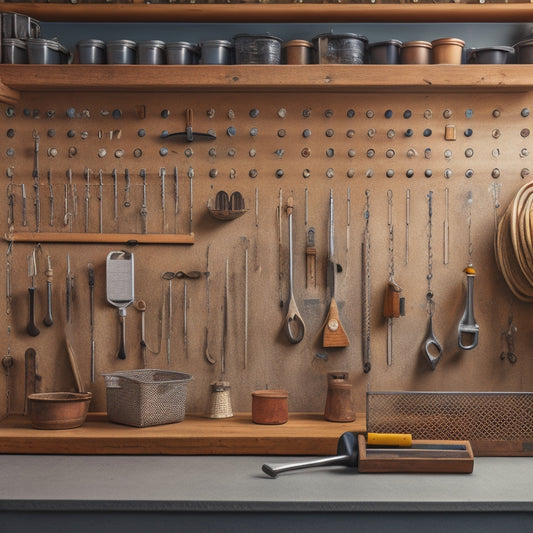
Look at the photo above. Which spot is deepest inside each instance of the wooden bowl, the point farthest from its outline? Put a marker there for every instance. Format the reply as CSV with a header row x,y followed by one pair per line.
x,y
58,410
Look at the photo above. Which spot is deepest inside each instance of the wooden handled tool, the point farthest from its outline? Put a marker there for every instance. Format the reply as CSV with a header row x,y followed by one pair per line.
x,y
333,335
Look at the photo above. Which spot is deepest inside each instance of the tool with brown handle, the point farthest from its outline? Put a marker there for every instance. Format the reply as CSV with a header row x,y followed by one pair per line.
x,y
48,320
333,335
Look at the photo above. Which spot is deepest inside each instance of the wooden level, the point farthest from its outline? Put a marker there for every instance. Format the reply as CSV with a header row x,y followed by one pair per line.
x,y
260,12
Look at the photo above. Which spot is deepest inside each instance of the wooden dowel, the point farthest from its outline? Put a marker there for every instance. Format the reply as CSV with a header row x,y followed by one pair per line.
x,y
101,238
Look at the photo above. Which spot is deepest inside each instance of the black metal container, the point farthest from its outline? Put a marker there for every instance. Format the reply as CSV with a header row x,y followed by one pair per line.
x,y
524,51
340,48
182,53
17,26
216,52
121,52
384,52
491,55
257,49
46,52
91,52
151,52
14,51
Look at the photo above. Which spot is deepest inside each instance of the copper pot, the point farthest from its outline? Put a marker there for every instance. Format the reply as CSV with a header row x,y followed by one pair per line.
x,y
415,53
448,51
297,52
270,406
58,410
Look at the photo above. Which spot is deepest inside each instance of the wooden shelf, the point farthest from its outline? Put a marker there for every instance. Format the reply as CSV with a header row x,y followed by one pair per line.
x,y
266,78
303,434
272,13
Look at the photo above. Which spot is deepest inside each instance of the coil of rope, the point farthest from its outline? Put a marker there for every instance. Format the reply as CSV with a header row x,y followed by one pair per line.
x,y
513,244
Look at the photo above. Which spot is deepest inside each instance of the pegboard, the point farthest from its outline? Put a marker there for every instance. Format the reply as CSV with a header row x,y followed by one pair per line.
x,y
380,156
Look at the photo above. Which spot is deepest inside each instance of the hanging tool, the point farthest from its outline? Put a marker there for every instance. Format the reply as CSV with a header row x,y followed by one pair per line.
x,y
280,249
144,209
120,289
208,357
51,197
190,175
225,325
169,276
74,366
348,219
188,134
294,324
468,330
333,334
115,194
31,328
69,291
8,363
127,187
87,197
36,185
176,196
90,274
509,335
365,288
48,320
9,296
393,304
431,346
10,201
100,201
310,255
407,223
246,306
185,328
73,194
23,192
162,173
446,228
30,375
140,305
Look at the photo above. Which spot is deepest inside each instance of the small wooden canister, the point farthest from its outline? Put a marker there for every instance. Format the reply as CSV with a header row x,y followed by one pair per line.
x,y
415,53
297,52
339,401
270,406
447,51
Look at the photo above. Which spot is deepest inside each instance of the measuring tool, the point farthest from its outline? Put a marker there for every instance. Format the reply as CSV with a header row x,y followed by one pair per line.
x,y
48,320
333,334
431,347
393,303
294,324
120,289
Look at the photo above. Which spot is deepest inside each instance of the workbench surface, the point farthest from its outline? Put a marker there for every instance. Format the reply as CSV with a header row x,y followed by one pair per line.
x,y
135,493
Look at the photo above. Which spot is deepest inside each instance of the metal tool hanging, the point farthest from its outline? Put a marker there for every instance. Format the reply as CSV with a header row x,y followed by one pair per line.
x,y
90,274
365,288
36,184
333,334
120,289
431,346
393,306
294,324
31,328
48,319
208,357
468,329
509,335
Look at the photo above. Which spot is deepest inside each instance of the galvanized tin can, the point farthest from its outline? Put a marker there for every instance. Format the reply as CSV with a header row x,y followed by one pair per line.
x,y
341,48
297,52
257,49
14,51
415,53
182,53
121,52
91,52
491,55
384,52
524,51
151,52
47,52
448,51
216,52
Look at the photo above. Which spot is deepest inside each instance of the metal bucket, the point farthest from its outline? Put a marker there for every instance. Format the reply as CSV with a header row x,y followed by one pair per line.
x,y
257,49
385,52
47,52
491,55
17,26
91,52
151,52
14,51
215,52
182,53
342,48
121,52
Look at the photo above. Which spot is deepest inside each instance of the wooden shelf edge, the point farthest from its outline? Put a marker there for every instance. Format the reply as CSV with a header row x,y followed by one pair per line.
x,y
273,13
7,95
100,238
279,78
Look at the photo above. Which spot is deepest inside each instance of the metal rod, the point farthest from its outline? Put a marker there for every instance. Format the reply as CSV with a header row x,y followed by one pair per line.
x,y
36,185
446,228
115,194
246,307
24,219
407,222
185,336
190,175
48,319
51,196
162,172
101,201
144,209
87,197
90,273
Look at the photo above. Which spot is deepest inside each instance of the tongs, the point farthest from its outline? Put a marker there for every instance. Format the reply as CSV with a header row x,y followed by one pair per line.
x,y
188,133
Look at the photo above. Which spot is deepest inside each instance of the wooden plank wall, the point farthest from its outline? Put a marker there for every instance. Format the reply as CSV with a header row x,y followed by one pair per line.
x,y
272,361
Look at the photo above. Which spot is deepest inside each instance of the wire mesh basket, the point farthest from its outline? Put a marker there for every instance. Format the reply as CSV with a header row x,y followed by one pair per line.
x,y
146,397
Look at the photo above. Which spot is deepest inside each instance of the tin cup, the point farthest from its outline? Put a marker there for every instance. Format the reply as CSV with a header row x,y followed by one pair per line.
x,y
182,53
151,52
448,51
121,52
91,52
14,51
384,52
216,52
415,53
297,52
